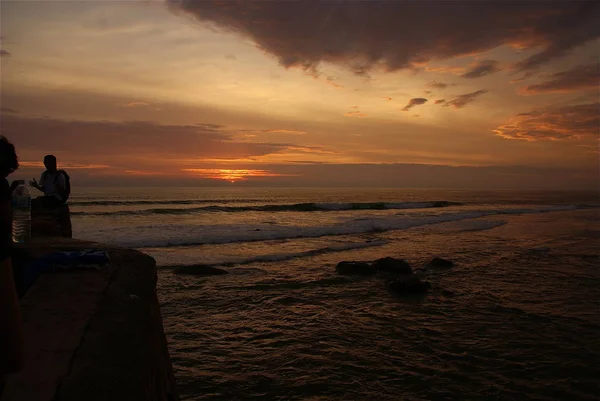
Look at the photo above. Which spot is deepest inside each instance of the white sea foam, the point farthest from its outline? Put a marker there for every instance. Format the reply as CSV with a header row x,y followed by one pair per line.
x,y
165,235
168,260
480,225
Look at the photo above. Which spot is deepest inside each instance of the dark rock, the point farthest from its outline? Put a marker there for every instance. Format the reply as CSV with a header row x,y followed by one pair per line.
x,y
409,285
392,265
362,268
448,293
199,270
441,263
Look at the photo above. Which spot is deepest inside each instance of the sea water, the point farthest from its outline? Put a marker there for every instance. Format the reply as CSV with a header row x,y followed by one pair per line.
x,y
516,318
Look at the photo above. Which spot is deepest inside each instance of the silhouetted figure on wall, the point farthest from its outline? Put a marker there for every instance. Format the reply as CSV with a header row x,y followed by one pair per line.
x,y
53,183
50,215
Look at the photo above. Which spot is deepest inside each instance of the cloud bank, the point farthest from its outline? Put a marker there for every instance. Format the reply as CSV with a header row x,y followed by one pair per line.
x,y
390,35
139,139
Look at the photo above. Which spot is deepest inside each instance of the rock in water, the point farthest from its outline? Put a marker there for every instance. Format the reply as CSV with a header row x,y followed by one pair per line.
x,y
392,265
442,263
199,270
362,268
409,285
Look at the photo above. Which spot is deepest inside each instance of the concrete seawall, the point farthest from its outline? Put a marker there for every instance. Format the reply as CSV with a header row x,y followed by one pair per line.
x,y
93,335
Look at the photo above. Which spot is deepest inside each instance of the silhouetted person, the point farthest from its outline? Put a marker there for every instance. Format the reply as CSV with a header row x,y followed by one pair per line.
x,y
11,334
53,183
50,215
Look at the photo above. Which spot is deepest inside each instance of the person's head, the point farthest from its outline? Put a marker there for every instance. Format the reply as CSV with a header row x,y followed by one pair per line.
x,y
9,161
50,162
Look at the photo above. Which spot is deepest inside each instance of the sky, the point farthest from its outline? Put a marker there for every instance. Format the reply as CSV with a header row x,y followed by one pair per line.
x,y
444,94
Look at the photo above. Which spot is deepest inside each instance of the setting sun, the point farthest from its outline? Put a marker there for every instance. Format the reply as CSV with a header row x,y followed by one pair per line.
x,y
231,175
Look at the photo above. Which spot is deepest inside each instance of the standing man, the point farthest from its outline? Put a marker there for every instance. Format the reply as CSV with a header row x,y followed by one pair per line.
x,y
53,183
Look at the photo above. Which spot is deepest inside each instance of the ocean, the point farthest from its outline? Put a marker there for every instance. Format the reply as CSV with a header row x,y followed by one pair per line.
x,y
516,318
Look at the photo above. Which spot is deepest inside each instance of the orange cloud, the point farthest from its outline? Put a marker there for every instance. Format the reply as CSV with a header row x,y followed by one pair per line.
x,y
136,104
332,81
144,173
311,149
554,123
452,70
273,131
72,166
355,114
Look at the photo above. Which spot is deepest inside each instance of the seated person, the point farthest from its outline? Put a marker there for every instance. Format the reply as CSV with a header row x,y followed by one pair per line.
x,y
52,183
11,336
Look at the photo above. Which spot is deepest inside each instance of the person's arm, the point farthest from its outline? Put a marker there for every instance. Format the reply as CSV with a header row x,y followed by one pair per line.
x,y
11,329
37,186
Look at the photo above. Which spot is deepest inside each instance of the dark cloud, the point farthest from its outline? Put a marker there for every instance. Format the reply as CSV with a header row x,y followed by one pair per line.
x,y
440,101
437,85
132,138
581,77
4,53
390,34
482,68
414,102
461,101
583,21
554,123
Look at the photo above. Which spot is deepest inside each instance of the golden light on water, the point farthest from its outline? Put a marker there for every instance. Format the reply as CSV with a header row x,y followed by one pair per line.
x,y
231,175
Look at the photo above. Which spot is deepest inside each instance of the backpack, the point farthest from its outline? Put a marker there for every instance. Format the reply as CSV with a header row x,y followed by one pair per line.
x,y
67,192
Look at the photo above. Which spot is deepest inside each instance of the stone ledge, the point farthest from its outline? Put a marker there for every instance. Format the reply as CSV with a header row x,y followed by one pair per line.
x,y
93,335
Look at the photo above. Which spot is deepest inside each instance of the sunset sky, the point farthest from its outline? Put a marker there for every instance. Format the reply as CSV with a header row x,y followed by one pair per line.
x,y
395,93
